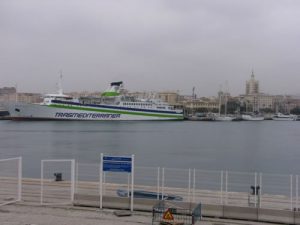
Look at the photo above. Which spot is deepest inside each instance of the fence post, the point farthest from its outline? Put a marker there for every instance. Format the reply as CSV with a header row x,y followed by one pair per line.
x,y
189,187
291,191
194,184
158,176
42,181
20,180
297,193
72,179
221,182
162,183
260,189
76,177
100,180
255,190
132,182
226,187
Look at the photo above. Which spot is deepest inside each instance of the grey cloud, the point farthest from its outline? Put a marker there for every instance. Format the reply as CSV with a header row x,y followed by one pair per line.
x,y
151,45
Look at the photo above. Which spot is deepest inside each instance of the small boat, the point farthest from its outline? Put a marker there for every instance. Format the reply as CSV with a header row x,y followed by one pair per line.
x,y
284,117
202,117
148,195
224,118
252,117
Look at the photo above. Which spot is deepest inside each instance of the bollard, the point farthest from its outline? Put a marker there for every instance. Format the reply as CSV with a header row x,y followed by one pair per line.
x,y
58,176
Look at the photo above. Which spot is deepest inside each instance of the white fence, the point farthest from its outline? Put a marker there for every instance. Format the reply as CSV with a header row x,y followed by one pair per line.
x,y
57,181
273,191
269,191
10,180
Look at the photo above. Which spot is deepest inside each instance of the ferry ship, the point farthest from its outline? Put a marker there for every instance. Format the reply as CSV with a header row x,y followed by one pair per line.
x,y
113,104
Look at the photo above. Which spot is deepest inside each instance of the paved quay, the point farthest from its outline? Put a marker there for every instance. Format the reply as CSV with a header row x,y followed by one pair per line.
x,y
58,194
26,214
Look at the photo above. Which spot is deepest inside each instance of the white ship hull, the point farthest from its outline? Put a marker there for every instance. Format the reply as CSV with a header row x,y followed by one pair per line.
x,y
25,111
282,117
252,118
223,118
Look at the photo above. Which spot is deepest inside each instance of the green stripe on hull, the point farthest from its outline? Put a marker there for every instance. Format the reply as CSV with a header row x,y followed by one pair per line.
x,y
179,117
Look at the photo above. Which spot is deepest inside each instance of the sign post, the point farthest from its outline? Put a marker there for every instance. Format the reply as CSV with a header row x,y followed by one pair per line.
x,y
101,181
121,164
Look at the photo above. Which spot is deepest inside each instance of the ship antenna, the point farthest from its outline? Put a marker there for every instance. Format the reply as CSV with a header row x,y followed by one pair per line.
x,y
16,87
60,90
193,94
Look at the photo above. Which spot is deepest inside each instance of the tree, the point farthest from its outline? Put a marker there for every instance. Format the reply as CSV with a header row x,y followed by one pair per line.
x,y
233,105
296,110
267,110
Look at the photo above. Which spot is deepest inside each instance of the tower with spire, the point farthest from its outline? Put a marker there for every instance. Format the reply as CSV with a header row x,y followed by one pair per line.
x,y
252,86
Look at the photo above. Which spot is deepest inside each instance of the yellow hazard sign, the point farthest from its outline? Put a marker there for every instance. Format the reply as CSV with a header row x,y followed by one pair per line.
x,y
168,215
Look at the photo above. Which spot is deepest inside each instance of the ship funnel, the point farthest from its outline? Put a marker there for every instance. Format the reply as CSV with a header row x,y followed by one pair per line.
x,y
114,89
119,83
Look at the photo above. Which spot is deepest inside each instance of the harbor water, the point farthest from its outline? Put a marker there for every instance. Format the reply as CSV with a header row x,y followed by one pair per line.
x,y
265,146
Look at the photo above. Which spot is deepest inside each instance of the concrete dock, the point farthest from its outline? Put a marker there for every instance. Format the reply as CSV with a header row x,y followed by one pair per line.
x,y
56,195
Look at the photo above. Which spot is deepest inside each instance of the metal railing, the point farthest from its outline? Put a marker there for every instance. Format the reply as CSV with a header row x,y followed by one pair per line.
x,y
61,189
261,190
10,180
244,189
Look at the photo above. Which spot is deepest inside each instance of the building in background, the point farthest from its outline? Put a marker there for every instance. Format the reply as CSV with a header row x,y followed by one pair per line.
x,y
29,97
255,101
7,90
171,98
252,86
252,101
7,94
193,106
285,103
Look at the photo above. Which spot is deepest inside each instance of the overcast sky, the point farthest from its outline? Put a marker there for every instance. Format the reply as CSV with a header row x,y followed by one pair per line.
x,y
150,45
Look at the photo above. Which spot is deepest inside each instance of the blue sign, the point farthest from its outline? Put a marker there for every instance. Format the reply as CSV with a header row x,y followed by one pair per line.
x,y
117,158
117,164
